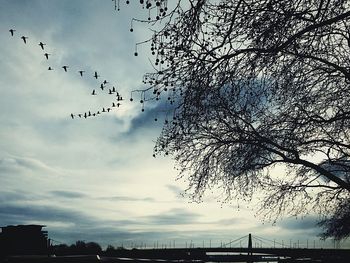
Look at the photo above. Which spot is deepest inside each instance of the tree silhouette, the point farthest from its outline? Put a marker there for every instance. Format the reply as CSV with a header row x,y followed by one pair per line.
x,y
251,86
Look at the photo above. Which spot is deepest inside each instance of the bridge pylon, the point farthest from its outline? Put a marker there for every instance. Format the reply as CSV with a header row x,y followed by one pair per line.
x,y
250,246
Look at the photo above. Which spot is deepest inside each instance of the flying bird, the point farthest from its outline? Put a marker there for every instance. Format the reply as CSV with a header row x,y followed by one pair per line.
x,y
65,68
93,92
41,44
102,87
72,115
81,72
105,82
12,31
47,55
113,104
113,89
50,68
95,75
85,116
103,110
24,39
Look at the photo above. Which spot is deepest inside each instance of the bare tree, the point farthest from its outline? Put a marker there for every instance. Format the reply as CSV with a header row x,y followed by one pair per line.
x,y
251,86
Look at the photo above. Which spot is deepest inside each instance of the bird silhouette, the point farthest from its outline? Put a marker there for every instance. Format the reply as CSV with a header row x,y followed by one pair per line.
x,y
12,31
50,68
65,68
110,91
72,115
113,104
103,110
113,89
24,39
108,109
79,115
85,115
118,104
95,75
81,72
41,44
105,82
93,92
102,87
47,55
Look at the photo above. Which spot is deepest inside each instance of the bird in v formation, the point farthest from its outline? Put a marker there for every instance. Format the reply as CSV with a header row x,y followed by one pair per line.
x,y
24,39
81,72
41,44
12,31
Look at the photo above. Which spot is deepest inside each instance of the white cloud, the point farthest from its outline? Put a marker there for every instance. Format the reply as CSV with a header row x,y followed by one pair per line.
x,y
26,164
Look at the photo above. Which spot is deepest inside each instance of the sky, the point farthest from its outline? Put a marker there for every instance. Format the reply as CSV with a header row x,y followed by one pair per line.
x,y
95,179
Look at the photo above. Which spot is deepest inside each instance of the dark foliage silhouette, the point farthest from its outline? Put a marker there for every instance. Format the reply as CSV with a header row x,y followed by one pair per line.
x,y
251,86
79,248
338,226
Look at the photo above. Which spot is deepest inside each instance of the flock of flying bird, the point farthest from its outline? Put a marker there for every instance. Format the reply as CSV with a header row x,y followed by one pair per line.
x,y
103,85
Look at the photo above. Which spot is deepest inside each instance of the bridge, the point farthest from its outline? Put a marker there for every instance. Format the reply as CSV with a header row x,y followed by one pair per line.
x,y
232,252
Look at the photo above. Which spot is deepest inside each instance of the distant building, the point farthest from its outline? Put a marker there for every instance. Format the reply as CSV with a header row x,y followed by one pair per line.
x,y
23,240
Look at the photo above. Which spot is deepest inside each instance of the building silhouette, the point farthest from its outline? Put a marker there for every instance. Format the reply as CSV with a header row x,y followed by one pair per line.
x,y
23,240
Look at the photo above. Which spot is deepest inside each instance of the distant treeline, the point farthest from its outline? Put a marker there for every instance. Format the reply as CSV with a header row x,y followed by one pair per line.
x,y
81,248
93,248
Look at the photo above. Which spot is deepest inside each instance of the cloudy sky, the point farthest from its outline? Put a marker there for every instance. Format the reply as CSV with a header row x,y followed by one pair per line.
x,y
95,179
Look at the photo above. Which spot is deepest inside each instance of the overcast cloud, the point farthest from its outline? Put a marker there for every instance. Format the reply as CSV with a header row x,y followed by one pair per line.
x,y
95,179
